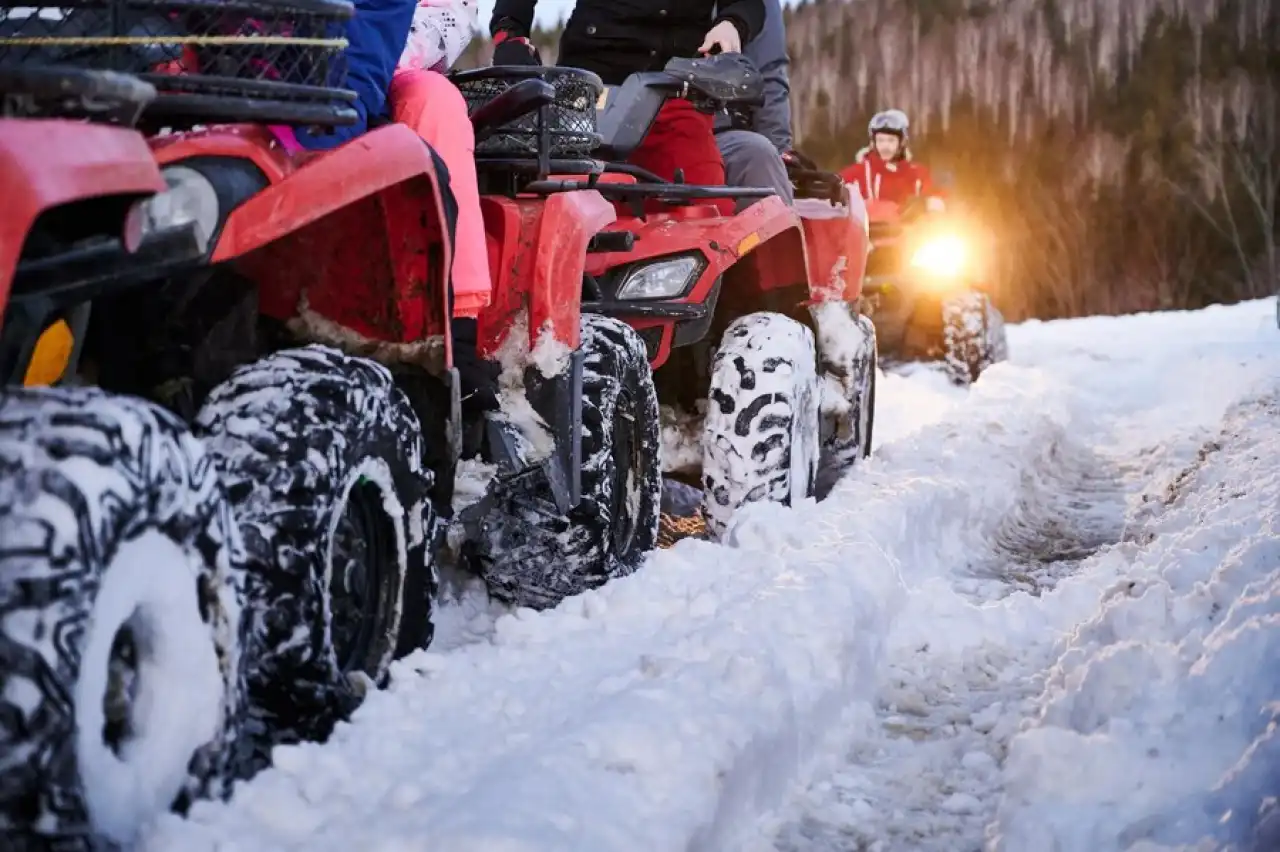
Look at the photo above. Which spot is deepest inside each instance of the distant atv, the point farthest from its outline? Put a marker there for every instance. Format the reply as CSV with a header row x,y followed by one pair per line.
x,y
923,292
747,319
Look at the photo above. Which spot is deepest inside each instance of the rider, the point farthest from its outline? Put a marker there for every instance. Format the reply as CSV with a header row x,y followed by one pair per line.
x,y
751,156
617,38
884,170
395,49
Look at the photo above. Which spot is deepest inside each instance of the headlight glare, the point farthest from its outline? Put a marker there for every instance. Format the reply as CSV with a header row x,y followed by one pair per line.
x,y
661,279
944,256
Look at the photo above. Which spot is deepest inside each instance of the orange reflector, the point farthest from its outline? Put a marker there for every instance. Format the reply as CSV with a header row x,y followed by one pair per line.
x,y
50,357
749,242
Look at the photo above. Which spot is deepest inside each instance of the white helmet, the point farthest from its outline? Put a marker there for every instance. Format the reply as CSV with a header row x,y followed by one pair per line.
x,y
893,121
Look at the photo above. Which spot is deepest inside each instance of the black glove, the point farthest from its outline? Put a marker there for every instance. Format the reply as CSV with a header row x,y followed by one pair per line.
x,y
478,376
795,160
514,50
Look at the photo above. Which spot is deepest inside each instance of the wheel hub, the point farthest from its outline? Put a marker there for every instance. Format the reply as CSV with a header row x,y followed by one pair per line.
x,y
363,553
123,680
626,459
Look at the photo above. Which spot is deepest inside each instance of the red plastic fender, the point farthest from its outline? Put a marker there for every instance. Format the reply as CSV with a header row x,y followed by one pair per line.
x,y
49,163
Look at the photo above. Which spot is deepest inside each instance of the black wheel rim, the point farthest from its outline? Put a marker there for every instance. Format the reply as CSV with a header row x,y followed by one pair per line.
x,y
363,562
626,464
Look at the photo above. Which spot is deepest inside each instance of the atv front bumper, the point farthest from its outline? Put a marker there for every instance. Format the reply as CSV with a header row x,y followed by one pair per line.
x,y
907,312
82,273
64,282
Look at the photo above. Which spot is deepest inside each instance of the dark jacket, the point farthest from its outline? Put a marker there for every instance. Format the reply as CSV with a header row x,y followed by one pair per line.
x,y
617,38
768,52
375,39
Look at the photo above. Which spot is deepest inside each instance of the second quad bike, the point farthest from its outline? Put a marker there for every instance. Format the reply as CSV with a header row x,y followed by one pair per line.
x,y
236,426
924,293
748,320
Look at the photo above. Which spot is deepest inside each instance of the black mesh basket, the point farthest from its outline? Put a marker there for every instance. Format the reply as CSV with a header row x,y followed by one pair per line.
x,y
278,61
571,120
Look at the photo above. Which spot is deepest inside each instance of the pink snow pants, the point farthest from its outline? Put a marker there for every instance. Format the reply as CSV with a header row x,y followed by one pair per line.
x,y
431,105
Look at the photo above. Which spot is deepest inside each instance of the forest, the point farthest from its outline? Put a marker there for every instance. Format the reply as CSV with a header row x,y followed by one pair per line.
x,y
1113,156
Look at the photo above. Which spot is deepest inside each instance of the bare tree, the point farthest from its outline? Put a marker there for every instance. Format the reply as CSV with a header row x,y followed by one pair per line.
x,y
1238,194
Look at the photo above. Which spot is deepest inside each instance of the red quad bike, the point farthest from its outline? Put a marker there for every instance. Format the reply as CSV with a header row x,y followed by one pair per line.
x,y
728,306
923,292
233,424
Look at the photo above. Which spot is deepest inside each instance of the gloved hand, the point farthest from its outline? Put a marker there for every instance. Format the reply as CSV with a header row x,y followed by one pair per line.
x,y
795,160
514,50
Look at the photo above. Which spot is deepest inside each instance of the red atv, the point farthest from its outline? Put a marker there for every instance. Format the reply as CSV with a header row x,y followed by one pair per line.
x,y
924,292
729,307
234,424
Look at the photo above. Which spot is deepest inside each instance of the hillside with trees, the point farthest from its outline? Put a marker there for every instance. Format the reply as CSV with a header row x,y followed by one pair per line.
x,y
1117,156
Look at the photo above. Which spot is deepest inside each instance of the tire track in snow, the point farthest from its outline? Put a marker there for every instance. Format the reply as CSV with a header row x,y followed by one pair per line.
x,y
930,781
669,709
1073,505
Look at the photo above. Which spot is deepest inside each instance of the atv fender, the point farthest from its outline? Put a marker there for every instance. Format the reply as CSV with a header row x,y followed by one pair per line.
x,y
49,163
324,183
835,243
354,243
722,240
537,254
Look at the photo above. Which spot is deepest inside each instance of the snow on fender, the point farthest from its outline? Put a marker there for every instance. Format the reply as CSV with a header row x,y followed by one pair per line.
x,y
120,581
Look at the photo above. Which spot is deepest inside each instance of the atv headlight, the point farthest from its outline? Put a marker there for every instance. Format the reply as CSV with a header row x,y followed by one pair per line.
x,y
945,257
662,279
190,199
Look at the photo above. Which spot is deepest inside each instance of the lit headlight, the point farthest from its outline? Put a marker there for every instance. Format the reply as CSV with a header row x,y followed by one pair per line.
x,y
944,256
662,279
190,198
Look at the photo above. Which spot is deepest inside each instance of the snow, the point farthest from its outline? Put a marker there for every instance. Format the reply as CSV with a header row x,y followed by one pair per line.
x,y
1043,616
471,481
681,437
516,356
173,696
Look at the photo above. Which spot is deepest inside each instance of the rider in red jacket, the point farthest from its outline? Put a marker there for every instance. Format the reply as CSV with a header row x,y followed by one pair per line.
x,y
884,169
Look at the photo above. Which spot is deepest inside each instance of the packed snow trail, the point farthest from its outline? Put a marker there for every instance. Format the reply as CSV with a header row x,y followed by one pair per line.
x,y
1154,497
680,707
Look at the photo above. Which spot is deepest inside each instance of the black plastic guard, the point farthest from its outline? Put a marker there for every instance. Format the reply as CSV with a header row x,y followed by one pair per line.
x,y
558,401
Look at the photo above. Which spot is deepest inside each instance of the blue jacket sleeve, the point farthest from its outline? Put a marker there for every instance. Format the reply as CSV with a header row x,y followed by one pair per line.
x,y
376,38
769,53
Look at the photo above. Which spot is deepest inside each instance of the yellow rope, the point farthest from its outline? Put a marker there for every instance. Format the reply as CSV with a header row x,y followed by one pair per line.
x,y
105,41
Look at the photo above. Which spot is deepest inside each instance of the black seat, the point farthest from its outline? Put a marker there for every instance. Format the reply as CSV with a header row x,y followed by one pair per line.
x,y
713,83
727,79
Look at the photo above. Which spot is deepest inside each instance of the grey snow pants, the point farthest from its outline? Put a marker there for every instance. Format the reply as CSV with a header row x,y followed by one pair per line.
x,y
751,160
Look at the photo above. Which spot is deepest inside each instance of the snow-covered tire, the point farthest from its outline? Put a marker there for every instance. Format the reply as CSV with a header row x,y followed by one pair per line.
x,y
121,576
322,457
531,555
847,358
760,436
973,336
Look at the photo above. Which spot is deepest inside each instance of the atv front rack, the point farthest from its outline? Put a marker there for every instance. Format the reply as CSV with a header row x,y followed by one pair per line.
x,y
566,127
514,175
672,193
209,61
102,96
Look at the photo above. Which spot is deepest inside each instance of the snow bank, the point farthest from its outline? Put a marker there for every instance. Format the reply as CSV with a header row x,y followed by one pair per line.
x,y
966,658
1158,723
671,708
